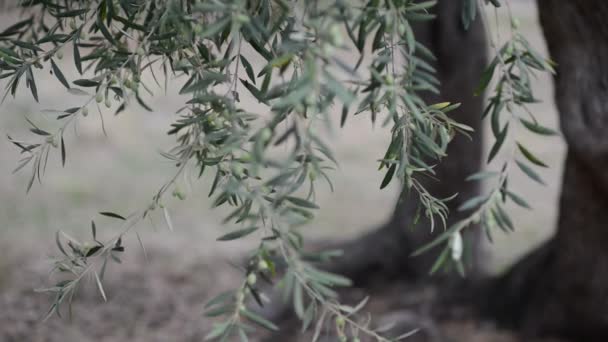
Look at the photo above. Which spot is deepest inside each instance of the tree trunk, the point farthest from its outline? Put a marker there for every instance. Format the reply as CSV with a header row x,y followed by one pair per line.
x,y
562,289
461,59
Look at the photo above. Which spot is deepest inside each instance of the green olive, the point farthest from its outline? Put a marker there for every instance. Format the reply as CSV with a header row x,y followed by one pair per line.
x,y
251,279
262,265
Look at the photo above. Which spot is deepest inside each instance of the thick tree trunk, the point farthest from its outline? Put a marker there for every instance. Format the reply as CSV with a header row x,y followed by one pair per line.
x,y
562,289
461,59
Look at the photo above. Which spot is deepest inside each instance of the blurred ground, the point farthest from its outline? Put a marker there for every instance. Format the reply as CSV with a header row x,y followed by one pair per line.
x,y
161,300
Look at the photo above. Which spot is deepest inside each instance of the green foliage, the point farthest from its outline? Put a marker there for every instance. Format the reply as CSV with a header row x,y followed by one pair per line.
x,y
211,46
514,65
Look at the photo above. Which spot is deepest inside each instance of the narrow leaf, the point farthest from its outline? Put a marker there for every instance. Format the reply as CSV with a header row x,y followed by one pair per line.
x,y
389,176
259,320
499,141
529,172
248,69
77,59
100,287
237,234
302,202
538,129
518,200
113,215
62,152
531,157
57,72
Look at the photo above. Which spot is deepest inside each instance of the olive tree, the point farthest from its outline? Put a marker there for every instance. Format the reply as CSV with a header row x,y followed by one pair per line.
x,y
288,56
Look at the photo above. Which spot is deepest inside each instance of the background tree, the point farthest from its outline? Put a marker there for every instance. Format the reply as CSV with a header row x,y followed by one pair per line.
x,y
560,289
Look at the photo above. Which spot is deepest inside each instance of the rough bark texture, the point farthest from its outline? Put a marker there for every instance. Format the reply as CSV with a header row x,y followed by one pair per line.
x,y
386,251
562,289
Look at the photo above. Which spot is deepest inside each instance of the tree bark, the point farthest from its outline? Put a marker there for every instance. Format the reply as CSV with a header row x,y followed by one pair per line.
x,y
461,59
562,289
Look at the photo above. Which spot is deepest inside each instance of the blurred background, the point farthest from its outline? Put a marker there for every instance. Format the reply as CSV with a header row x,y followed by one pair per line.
x,y
121,171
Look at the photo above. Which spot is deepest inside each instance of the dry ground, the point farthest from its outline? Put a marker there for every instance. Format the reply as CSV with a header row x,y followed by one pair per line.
x,y
161,299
